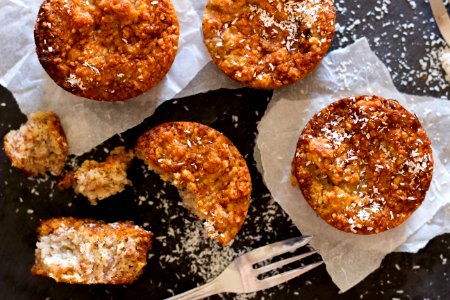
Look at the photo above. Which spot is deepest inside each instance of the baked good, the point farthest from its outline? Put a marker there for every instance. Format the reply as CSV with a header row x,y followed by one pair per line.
x,y
210,174
364,164
100,180
38,146
106,50
87,251
268,44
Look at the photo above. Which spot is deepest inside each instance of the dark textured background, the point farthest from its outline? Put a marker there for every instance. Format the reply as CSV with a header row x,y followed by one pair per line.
x,y
424,275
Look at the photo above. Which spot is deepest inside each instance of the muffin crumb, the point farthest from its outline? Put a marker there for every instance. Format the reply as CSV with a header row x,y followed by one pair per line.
x,y
38,146
100,180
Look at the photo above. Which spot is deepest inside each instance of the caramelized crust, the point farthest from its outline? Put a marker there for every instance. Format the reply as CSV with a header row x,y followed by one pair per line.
x,y
207,169
87,251
268,44
364,164
106,50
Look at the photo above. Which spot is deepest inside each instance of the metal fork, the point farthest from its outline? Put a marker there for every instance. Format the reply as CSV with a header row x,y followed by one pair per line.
x,y
241,277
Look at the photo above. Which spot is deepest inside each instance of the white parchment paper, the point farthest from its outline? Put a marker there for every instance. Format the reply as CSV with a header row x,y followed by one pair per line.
x,y
87,123
354,70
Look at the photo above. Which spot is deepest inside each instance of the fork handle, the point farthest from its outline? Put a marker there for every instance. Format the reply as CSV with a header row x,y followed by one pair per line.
x,y
203,291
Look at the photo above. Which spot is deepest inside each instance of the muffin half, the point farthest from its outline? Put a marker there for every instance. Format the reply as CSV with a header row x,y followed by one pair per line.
x,y
210,174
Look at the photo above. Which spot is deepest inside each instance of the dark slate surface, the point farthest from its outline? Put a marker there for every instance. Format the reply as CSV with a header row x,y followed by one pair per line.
x,y
424,275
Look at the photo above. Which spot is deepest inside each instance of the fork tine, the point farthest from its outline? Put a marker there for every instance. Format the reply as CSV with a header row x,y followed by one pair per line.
x,y
275,249
281,263
283,277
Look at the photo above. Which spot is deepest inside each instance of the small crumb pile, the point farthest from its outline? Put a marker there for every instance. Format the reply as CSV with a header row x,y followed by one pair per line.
x,y
98,181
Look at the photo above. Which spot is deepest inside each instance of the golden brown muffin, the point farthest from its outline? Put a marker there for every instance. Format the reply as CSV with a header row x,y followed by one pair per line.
x,y
87,251
98,181
39,146
207,169
106,50
364,164
267,44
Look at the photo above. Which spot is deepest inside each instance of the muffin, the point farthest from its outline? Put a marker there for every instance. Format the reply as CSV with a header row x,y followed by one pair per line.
x,y
364,164
268,44
106,50
210,174
85,251
100,180
39,146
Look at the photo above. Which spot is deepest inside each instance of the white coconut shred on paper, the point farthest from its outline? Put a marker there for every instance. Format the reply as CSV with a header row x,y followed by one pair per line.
x,y
87,123
354,70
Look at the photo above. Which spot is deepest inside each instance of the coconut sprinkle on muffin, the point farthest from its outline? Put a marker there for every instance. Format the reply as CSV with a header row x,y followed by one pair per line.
x,y
364,164
85,251
106,50
100,180
270,43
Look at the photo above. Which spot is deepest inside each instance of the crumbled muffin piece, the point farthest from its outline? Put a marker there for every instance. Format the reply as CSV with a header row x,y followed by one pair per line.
x,y
364,164
210,174
39,146
100,180
87,251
